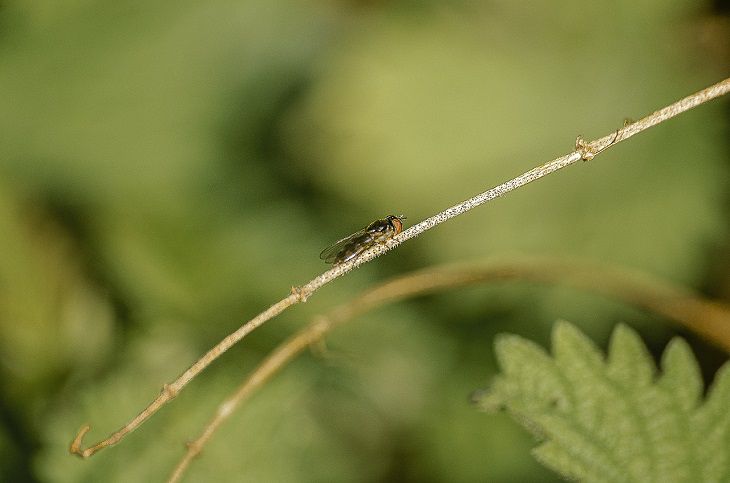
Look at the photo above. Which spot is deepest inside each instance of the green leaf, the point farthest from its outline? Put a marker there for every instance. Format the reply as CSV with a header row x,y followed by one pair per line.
x,y
614,419
681,374
711,429
532,369
629,361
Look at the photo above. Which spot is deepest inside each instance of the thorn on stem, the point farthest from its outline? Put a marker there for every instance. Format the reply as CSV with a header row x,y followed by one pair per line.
x,y
169,391
587,152
300,293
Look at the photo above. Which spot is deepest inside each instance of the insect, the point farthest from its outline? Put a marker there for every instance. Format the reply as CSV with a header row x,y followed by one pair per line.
x,y
351,246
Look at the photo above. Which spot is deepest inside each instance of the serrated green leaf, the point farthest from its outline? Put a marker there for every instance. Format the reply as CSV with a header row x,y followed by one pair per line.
x,y
536,372
576,444
553,455
681,374
716,405
628,360
621,424
582,364
571,345
711,429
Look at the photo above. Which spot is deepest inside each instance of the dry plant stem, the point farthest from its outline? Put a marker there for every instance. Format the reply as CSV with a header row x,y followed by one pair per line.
x,y
584,150
169,391
708,319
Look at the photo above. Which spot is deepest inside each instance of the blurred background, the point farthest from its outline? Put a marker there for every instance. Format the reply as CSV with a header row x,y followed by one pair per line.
x,y
169,169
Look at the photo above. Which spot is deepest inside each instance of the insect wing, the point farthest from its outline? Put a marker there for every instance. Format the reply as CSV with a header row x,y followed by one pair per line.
x,y
329,254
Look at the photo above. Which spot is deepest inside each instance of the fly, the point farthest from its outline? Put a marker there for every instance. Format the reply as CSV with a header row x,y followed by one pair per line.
x,y
351,246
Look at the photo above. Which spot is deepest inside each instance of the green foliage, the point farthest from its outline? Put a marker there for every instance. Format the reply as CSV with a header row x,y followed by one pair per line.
x,y
615,419
168,169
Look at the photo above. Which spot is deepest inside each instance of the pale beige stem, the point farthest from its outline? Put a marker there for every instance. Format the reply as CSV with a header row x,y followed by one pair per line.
x,y
709,319
584,150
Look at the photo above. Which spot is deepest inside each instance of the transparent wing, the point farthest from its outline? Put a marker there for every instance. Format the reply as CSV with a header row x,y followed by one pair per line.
x,y
330,253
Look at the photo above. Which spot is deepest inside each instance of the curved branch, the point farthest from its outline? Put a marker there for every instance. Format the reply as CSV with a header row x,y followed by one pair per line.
x,y
709,319
584,151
